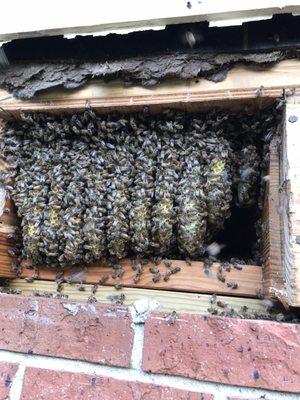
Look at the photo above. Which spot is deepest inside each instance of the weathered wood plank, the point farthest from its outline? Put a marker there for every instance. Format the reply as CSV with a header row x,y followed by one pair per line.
x,y
191,278
239,88
195,303
124,17
273,274
290,200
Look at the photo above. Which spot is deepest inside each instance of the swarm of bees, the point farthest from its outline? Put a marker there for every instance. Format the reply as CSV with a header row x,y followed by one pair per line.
x,y
90,187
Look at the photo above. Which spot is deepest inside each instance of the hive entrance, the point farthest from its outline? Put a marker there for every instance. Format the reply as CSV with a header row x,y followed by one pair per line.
x,y
174,186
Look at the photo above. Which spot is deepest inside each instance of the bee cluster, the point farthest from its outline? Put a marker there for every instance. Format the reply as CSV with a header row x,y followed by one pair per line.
x,y
90,187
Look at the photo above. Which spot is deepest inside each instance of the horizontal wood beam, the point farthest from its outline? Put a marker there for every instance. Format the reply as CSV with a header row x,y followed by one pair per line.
x,y
254,86
195,303
290,200
191,278
122,17
273,272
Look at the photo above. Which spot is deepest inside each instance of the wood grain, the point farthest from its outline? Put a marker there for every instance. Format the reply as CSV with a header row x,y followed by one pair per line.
x,y
166,300
290,200
240,88
273,274
120,17
191,278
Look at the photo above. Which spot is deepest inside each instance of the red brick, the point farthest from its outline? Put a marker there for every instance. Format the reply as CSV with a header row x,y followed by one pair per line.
x,y
7,374
81,331
226,350
40,384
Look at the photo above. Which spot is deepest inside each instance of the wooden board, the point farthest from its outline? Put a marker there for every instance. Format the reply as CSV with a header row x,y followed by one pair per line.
x,y
250,86
191,278
167,301
117,16
290,200
273,274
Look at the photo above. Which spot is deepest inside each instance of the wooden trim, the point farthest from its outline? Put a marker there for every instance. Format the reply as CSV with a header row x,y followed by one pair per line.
x,y
273,275
240,88
195,303
123,17
290,200
191,278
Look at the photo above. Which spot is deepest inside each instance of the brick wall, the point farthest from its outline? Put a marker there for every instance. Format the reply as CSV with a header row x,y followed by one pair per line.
x,y
53,349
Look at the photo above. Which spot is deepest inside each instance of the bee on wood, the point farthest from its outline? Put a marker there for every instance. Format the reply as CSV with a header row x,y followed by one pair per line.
x,y
137,278
13,252
156,277
41,293
221,277
103,279
157,260
12,238
118,286
222,304
117,298
15,291
213,299
167,263
167,276
232,285
188,261
239,267
133,263
30,279
153,270
260,91
94,289
92,299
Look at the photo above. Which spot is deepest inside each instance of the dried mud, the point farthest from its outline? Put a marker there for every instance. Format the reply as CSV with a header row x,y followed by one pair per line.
x,y
25,80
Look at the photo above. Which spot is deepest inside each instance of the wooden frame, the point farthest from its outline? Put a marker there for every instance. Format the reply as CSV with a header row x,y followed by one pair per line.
x,y
139,16
273,274
244,86
290,200
160,299
251,86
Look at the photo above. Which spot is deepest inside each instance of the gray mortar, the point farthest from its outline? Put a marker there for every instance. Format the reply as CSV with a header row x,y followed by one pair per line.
x,y
25,80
